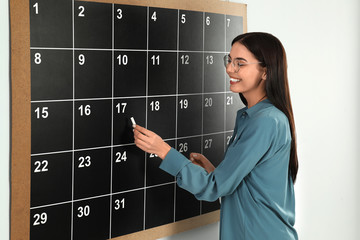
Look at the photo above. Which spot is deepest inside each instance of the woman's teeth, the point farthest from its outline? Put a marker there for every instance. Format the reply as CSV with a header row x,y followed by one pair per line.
x,y
234,80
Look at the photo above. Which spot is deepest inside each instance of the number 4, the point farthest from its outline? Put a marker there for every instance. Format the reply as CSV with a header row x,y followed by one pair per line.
x,y
153,17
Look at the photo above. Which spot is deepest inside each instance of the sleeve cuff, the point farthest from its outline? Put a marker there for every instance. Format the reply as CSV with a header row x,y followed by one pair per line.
x,y
174,162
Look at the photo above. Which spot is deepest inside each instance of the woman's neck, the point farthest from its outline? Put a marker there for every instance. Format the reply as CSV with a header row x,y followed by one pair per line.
x,y
255,99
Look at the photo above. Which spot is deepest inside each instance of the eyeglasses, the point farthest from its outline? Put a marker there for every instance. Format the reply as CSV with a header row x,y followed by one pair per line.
x,y
236,63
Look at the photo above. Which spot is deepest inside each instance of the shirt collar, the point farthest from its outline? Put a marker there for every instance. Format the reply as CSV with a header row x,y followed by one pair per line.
x,y
260,105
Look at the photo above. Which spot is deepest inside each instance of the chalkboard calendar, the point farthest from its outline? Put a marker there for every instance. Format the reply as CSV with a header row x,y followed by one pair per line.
x,y
93,65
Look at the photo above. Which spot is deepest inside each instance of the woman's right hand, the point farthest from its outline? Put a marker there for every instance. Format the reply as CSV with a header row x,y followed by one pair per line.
x,y
202,161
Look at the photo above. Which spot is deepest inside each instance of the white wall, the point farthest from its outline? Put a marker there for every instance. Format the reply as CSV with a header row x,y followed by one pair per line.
x,y
4,120
322,42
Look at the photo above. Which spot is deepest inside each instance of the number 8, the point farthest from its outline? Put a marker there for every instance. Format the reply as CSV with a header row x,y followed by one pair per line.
x,y
37,58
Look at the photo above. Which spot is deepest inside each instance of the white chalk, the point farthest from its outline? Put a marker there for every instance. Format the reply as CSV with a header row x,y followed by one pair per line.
x,y
133,121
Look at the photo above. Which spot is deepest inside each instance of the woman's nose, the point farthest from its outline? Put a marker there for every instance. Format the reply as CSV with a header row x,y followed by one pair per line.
x,y
229,68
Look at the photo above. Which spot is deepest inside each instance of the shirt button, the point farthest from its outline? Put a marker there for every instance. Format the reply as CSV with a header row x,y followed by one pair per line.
x,y
243,115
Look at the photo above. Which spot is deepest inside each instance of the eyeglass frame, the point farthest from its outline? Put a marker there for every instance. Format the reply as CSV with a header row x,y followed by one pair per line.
x,y
226,62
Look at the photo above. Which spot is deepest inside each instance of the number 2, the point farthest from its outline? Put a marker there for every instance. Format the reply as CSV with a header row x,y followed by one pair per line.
x,y
82,10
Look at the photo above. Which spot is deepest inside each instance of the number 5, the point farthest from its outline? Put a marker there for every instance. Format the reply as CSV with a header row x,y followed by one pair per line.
x,y
183,19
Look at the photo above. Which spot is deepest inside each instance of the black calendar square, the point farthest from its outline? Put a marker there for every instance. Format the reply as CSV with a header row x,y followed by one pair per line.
x,y
88,164
51,70
233,104
92,123
127,213
213,113
189,115
187,205
123,110
214,32
234,27
214,72
191,24
228,138
93,25
190,72
128,168
162,73
227,81
51,126
52,222
213,148
51,23
159,205
130,30
51,178
161,116
154,175
91,219
93,74
129,73
207,207
163,27
189,145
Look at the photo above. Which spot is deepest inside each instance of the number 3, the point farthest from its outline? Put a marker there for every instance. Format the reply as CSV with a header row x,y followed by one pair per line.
x,y
119,16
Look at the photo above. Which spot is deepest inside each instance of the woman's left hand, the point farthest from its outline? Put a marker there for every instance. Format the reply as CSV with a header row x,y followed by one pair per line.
x,y
150,142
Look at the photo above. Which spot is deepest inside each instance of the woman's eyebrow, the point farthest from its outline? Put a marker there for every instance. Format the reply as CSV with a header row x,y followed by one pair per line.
x,y
239,58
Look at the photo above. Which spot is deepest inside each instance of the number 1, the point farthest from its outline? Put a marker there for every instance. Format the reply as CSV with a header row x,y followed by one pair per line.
x,y
36,6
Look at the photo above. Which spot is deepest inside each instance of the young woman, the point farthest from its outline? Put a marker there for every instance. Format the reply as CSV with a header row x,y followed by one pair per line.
x,y
256,178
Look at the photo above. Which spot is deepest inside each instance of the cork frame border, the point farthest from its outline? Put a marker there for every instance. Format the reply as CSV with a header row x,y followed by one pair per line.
x,y
20,152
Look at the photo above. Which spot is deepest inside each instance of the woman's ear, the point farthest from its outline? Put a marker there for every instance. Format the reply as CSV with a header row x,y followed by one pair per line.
x,y
264,74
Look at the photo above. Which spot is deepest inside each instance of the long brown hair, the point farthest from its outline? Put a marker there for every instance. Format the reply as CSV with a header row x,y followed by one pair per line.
x,y
271,53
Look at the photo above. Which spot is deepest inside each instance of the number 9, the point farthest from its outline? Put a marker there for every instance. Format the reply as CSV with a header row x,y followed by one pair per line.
x,y
81,59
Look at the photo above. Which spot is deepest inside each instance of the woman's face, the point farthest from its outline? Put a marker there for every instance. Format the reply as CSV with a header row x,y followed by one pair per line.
x,y
249,76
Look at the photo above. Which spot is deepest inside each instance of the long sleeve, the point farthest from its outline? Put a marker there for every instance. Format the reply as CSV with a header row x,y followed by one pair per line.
x,y
250,146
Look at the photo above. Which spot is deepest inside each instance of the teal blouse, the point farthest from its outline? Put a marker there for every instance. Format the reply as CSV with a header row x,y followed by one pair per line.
x,y
253,180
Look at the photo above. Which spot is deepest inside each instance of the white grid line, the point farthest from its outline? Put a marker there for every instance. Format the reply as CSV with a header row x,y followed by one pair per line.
x,y
126,144
112,121
100,196
73,123
126,50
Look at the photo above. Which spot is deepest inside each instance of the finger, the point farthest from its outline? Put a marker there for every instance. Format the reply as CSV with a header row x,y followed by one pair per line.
x,y
196,156
142,145
143,130
140,136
